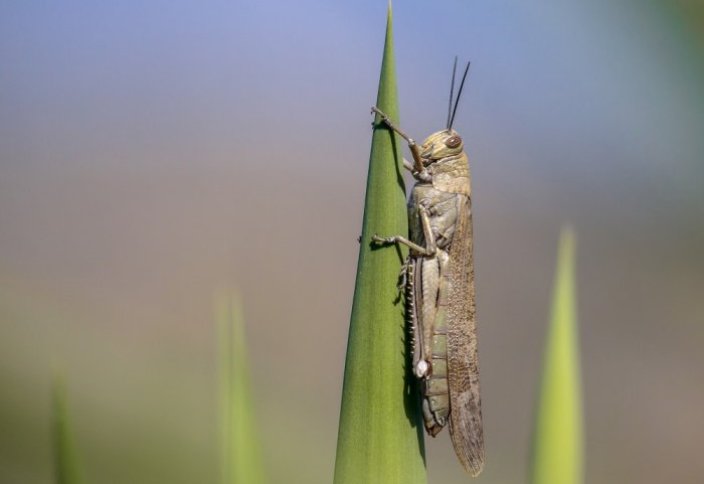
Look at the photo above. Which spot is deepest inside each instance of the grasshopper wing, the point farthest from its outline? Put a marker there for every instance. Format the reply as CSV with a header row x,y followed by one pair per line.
x,y
463,363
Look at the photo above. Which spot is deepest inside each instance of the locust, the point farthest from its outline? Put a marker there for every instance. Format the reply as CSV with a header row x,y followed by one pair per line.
x,y
438,280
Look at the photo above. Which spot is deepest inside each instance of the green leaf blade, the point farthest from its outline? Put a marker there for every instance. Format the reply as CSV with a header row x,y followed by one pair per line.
x,y
67,469
558,437
241,460
380,437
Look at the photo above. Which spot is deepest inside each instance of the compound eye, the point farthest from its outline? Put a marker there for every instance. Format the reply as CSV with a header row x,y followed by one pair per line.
x,y
453,141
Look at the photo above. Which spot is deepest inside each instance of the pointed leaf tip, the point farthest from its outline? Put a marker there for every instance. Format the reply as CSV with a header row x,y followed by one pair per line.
x,y
241,459
67,469
558,439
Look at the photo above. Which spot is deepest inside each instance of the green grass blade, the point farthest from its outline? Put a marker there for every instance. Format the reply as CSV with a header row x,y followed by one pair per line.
x,y
241,461
380,437
558,440
66,466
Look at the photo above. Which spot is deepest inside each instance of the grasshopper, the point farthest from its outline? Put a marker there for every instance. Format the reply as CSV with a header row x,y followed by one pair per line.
x,y
438,278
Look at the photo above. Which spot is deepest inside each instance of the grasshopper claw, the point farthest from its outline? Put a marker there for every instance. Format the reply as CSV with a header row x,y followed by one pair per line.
x,y
381,240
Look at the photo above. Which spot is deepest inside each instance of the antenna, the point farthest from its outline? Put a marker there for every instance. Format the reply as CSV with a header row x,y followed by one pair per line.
x,y
459,93
452,92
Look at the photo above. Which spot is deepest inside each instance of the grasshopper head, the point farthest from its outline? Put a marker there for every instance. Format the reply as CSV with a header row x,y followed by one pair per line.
x,y
446,143
440,145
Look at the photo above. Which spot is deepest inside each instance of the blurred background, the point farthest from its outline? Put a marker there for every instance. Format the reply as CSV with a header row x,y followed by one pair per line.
x,y
154,153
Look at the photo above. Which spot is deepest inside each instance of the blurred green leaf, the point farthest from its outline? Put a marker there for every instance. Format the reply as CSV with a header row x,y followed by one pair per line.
x,y
558,440
380,438
66,466
241,461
